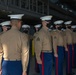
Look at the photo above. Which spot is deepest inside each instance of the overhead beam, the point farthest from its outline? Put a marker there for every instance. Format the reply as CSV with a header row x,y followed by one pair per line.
x,y
62,11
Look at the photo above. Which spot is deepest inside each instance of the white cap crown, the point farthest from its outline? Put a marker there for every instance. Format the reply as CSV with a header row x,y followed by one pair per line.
x,y
25,26
73,26
16,16
44,18
67,22
5,23
58,22
37,26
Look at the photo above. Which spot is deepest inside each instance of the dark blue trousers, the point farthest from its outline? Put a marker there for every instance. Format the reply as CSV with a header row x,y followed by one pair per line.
x,y
11,68
53,60
59,61
36,66
69,60
74,55
73,52
46,66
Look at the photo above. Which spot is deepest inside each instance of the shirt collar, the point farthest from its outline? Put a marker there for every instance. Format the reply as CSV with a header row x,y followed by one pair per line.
x,y
14,27
45,29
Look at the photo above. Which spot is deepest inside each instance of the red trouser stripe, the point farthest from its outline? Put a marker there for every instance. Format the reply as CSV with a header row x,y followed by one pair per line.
x,y
57,64
42,63
73,56
68,60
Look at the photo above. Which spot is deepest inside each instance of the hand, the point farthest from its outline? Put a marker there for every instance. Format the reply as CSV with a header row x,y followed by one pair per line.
x,y
72,48
0,72
66,49
56,55
24,73
39,62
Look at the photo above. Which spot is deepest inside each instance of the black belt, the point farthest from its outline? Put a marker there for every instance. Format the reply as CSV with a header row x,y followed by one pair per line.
x,y
47,51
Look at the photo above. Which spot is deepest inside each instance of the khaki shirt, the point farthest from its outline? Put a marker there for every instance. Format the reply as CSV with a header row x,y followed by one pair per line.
x,y
74,37
34,40
35,34
58,40
64,38
43,42
1,52
1,33
14,46
69,36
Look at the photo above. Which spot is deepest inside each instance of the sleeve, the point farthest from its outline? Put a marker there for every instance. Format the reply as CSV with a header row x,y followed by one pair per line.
x,y
65,42
55,44
25,52
73,37
1,54
38,46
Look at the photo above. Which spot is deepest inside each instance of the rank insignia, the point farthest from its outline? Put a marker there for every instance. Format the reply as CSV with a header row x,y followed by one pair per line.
x,y
38,39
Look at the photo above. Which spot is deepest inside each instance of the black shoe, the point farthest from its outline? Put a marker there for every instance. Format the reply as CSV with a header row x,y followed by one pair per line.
x,y
70,74
74,67
73,73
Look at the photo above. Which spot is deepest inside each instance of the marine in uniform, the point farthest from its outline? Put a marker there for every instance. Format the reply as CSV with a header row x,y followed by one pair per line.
x,y
25,29
43,47
58,47
69,42
5,26
35,34
64,38
74,47
14,49
52,32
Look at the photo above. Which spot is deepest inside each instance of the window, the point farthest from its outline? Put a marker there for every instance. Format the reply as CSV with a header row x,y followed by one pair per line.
x,y
40,7
49,9
12,2
31,4
25,4
22,4
17,2
34,5
3,1
45,9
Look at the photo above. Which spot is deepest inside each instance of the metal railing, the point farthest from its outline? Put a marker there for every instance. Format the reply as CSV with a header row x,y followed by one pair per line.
x,y
36,6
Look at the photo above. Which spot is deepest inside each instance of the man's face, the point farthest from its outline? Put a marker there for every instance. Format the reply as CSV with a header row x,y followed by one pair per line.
x,y
69,26
46,23
59,27
36,29
4,28
19,24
